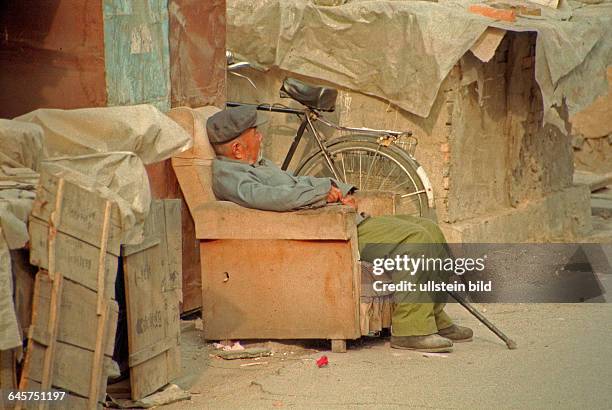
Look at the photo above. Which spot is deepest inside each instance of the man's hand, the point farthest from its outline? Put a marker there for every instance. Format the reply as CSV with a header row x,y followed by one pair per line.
x,y
334,195
349,200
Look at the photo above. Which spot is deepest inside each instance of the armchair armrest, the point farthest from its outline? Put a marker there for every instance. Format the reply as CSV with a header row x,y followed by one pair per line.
x,y
227,220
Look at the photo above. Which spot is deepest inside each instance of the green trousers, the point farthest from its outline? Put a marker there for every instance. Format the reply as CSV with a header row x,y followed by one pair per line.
x,y
388,236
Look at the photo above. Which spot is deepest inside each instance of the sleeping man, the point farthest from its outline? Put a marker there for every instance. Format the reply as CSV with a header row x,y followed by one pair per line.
x,y
241,175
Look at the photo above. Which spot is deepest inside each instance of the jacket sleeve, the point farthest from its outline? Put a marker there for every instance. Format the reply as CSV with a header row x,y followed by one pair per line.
x,y
247,190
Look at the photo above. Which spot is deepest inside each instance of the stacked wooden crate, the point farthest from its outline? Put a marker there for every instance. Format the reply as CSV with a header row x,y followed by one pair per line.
x,y
153,279
75,241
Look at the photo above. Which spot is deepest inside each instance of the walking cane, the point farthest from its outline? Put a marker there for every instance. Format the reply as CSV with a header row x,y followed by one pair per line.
x,y
509,342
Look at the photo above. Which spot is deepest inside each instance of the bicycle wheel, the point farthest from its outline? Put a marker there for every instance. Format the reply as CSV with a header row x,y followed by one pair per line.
x,y
370,166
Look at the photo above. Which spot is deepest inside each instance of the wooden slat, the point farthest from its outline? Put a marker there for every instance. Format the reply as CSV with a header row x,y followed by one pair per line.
x,y
97,373
52,326
69,402
151,351
76,259
225,220
100,309
81,214
67,374
151,281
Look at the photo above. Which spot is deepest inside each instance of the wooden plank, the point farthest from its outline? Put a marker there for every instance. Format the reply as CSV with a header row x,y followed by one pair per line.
x,y
76,259
286,292
69,402
73,365
151,280
97,373
174,247
48,362
66,374
82,212
101,310
78,312
151,351
225,220
73,362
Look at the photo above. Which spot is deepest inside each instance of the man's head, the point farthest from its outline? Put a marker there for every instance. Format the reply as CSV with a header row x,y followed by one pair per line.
x,y
233,133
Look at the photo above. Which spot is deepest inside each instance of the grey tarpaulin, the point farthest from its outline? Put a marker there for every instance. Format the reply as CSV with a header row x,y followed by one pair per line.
x,y
99,148
20,154
402,50
141,129
105,148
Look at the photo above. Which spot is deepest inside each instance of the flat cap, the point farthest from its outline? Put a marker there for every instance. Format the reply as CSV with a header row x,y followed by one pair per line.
x,y
229,123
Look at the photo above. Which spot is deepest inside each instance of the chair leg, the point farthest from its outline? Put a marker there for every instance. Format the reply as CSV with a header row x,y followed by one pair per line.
x,y
338,345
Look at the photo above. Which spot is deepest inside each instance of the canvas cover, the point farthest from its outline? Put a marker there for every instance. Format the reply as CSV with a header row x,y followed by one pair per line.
x,y
401,51
103,149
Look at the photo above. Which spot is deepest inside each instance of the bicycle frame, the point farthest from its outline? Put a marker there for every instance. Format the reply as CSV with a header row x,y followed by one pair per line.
x,y
308,117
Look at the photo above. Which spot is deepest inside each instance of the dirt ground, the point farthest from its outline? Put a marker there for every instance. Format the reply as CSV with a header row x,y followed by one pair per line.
x,y
563,361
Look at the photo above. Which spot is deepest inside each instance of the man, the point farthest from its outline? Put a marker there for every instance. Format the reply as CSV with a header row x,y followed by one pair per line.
x,y
241,175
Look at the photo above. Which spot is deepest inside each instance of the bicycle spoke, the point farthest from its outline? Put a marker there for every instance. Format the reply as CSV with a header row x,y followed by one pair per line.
x,y
387,177
400,184
360,170
343,167
372,164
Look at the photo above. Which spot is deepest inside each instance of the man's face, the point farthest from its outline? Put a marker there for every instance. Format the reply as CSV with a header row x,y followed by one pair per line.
x,y
251,144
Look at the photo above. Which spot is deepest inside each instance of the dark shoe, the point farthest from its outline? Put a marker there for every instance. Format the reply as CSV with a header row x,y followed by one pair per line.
x,y
430,343
457,333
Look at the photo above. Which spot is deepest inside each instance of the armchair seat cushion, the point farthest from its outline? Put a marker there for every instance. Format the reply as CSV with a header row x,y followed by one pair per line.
x,y
227,220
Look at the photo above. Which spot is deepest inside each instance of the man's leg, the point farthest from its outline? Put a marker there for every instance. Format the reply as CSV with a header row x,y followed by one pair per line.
x,y
415,324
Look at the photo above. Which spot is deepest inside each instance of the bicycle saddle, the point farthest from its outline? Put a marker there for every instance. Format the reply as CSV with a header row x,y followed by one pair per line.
x,y
317,98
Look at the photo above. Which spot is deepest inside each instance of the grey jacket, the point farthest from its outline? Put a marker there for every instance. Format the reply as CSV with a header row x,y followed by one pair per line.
x,y
265,186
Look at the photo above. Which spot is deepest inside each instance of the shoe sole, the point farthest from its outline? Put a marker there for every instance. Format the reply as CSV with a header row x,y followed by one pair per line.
x,y
469,339
432,350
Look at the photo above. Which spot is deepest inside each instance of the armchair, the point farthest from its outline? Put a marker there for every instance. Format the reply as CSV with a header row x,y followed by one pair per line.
x,y
270,275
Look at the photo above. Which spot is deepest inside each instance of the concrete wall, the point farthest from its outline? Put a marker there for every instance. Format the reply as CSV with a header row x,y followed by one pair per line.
x,y
490,160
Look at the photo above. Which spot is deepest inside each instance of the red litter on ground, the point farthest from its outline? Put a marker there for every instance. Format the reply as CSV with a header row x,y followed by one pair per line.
x,y
322,361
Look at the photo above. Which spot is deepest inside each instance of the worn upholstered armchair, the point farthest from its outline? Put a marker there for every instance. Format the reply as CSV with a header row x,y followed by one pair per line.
x,y
270,275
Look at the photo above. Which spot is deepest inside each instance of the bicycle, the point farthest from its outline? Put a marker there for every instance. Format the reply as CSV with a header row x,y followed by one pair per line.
x,y
370,159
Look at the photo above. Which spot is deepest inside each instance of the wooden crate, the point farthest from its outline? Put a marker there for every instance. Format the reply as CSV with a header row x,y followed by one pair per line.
x,y
75,237
69,345
78,212
152,275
